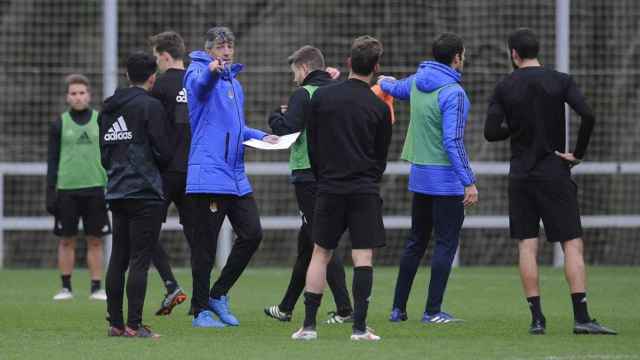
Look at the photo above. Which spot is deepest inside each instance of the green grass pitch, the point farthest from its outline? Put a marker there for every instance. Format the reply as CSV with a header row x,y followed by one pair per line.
x,y
32,326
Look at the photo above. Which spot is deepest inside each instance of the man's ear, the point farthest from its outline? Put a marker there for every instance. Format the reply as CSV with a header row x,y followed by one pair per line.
x,y
515,56
376,69
457,59
151,80
349,63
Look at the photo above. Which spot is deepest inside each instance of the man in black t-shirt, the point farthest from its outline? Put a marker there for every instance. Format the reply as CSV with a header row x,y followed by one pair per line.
x,y
310,73
169,50
348,134
528,106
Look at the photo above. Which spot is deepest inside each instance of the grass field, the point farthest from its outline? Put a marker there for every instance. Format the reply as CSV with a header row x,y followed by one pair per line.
x,y
32,326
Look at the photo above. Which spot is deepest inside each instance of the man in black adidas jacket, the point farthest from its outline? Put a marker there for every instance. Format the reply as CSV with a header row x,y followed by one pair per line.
x,y
308,67
134,147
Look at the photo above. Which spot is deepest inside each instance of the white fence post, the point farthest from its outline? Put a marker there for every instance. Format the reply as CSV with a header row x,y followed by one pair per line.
x,y
109,47
1,220
225,241
563,24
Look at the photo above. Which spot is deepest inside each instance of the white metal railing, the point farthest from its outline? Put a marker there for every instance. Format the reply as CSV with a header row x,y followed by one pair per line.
x,y
293,222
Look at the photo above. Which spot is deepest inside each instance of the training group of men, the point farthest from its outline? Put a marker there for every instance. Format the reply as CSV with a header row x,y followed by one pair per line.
x,y
179,138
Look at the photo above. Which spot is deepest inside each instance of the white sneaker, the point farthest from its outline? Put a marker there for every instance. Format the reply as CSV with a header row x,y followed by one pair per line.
x,y
64,294
98,295
365,336
303,334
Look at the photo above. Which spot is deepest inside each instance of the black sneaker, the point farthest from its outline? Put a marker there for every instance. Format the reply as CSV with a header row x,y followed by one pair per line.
x,y
592,328
537,327
273,311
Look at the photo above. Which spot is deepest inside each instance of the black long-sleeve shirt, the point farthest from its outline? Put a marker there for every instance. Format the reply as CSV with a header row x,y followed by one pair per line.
x,y
170,91
529,107
81,117
348,132
293,120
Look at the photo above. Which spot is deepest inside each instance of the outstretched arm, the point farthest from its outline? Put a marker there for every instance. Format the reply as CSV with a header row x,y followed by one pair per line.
x,y
399,89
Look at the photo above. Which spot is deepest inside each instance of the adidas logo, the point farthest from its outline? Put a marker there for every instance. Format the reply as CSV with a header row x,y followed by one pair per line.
x,y
83,139
118,131
182,96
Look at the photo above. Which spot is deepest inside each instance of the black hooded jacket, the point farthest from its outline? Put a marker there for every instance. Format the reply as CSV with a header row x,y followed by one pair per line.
x,y
134,144
293,119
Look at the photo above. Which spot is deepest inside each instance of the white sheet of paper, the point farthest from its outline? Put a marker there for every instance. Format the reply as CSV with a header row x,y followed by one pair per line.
x,y
285,142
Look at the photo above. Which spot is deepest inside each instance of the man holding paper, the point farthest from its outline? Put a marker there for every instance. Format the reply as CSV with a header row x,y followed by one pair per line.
x,y
308,67
216,178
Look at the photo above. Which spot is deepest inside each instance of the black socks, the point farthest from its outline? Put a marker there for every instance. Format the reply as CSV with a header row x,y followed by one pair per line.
x,y
362,283
535,307
311,305
66,281
95,285
580,313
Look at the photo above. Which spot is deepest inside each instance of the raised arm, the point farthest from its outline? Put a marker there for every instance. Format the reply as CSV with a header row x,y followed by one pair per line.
x,y
399,89
200,80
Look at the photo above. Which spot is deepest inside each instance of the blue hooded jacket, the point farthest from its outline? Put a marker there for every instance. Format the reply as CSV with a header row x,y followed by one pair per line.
x,y
454,107
216,157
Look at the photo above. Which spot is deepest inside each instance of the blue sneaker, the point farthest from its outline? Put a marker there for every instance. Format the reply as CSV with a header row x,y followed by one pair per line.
x,y
397,315
221,308
439,318
205,320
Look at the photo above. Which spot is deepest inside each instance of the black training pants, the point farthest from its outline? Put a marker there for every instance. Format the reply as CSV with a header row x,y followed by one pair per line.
x,y
136,228
209,212
174,184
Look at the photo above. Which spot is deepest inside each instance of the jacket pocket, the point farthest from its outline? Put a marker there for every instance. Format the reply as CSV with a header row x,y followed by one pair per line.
x,y
226,147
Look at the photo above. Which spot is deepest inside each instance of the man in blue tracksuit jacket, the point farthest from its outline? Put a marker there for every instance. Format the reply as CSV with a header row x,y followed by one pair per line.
x,y
441,178
216,178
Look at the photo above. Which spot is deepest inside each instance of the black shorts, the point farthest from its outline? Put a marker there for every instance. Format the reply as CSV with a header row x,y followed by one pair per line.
x,y
174,185
91,208
360,213
554,201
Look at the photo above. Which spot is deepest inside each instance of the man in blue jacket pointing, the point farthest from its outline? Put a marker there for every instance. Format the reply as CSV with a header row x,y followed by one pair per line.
x,y
441,179
216,177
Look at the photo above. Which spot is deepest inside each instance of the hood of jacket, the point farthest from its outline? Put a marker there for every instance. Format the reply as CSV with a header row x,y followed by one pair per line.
x,y
121,97
432,75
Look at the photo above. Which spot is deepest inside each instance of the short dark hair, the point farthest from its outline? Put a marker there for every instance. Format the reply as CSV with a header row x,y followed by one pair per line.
x,y
446,46
525,42
365,54
76,79
307,55
140,66
170,42
218,34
